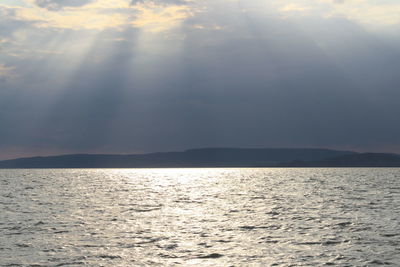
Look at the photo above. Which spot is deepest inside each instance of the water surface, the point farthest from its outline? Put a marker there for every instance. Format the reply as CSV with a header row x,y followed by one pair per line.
x,y
200,217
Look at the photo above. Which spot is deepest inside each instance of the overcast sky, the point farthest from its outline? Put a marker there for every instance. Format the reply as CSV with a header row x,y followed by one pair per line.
x,y
132,76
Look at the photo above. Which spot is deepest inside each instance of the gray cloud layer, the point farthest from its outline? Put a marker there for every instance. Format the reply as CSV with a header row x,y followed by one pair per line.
x,y
59,4
257,82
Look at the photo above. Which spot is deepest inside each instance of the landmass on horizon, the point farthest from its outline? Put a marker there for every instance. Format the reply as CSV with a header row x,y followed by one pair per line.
x,y
214,157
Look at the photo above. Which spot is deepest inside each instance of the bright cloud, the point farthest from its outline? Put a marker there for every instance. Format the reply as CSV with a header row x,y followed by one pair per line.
x,y
375,13
101,14
72,19
159,18
294,7
366,12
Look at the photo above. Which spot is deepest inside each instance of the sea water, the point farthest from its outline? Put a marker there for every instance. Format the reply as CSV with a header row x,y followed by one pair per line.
x,y
200,217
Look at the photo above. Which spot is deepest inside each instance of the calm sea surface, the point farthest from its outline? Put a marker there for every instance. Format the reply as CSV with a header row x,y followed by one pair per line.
x,y
200,217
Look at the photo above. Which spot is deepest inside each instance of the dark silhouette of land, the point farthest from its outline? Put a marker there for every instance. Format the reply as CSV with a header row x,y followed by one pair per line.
x,y
351,160
205,157
214,157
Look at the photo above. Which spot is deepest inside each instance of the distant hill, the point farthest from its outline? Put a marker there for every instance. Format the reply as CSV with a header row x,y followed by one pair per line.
x,y
351,160
204,157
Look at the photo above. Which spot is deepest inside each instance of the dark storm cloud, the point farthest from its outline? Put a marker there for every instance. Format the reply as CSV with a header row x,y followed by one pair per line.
x,y
59,4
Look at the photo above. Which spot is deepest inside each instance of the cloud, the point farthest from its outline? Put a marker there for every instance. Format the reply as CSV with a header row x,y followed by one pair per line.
x,y
158,18
59,4
101,14
161,2
96,80
366,12
6,72
294,8
97,15
369,13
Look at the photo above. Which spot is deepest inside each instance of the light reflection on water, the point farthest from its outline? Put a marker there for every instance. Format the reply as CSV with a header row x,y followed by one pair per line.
x,y
200,217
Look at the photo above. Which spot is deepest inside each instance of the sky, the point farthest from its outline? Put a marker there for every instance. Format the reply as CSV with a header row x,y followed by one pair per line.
x,y
136,76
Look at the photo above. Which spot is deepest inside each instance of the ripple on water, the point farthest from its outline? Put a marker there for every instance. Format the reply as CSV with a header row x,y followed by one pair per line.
x,y
200,217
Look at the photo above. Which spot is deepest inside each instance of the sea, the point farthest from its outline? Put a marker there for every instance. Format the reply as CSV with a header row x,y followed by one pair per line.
x,y
200,217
